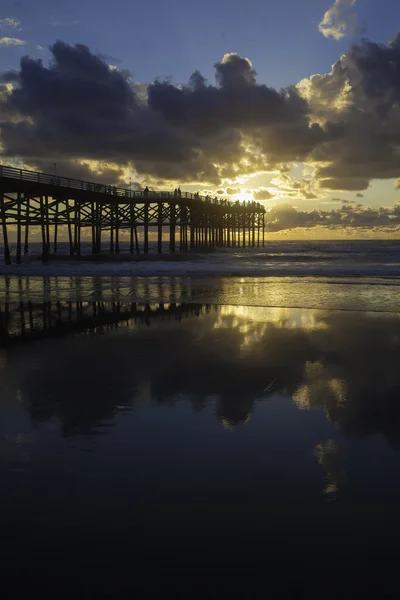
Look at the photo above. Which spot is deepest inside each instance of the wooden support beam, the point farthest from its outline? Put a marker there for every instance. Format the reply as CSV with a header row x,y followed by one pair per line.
x,y
146,229
111,229
18,253
47,225
159,228
263,230
26,240
7,255
192,229
172,223
94,227
116,211
131,227
99,217
56,227
69,226
43,227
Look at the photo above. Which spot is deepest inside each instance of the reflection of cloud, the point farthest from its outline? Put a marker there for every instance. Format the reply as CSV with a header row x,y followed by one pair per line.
x,y
344,364
328,456
319,384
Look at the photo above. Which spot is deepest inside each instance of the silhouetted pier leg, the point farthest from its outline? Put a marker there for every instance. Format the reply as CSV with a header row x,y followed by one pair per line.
x,y
131,227
26,240
55,228
94,228
7,256
77,249
47,216
69,226
244,229
18,253
192,230
180,228
99,217
111,230
116,229
159,228
137,241
146,229
258,230
172,223
263,230
43,227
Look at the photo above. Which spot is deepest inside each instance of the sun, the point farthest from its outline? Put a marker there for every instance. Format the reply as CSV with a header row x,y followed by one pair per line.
x,y
243,197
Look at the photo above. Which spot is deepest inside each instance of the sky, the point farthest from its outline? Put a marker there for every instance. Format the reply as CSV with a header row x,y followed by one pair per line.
x,y
292,103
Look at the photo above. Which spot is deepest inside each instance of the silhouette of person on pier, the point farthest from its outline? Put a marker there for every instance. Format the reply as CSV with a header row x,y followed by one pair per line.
x,y
146,191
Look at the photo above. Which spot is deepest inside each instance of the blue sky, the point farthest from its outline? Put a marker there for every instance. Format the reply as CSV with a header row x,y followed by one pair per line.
x,y
158,39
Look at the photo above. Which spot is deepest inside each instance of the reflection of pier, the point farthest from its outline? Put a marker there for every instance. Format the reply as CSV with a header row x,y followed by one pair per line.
x,y
22,321
51,203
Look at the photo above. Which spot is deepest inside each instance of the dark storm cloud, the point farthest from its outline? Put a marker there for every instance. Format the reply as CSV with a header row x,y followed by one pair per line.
x,y
346,122
78,107
236,102
361,95
81,108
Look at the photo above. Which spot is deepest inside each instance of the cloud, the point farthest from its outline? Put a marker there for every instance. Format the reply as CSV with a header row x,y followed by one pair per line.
x,y
284,216
339,20
309,195
233,191
344,124
359,100
262,194
78,107
9,41
11,23
359,195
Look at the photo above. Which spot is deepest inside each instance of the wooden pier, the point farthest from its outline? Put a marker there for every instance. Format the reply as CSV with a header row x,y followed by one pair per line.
x,y
58,205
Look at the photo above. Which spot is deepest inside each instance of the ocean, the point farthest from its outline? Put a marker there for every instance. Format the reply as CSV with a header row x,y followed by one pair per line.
x,y
280,259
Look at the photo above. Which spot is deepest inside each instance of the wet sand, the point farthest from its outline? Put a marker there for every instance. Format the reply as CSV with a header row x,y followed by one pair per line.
x,y
208,448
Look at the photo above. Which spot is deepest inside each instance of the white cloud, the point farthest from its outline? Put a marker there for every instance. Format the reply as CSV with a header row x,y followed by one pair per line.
x,y
339,20
10,22
39,47
8,41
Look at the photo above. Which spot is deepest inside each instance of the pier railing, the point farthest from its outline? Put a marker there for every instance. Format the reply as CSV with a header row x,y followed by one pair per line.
x,y
88,186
